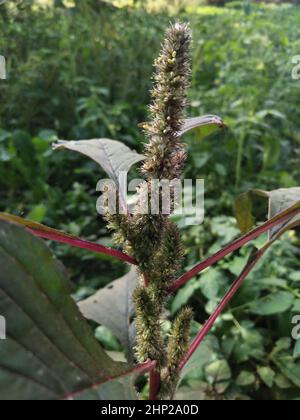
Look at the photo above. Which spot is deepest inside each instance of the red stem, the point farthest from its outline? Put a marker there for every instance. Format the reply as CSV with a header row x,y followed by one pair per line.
x,y
80,243
154,384
222,305
231,248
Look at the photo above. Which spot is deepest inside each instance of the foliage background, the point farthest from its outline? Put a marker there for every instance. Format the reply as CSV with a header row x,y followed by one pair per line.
x,y
82,70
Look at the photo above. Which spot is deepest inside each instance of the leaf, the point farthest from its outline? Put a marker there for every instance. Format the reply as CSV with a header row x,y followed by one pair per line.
x,y
183,295
46,232
117,389
279,201
282,382
295,276
203,355
218,374
297,349
273,304
243,212
289,368
296,307
200,392
50,350
245,378
113,308
113,156
2,67
267,375
205,125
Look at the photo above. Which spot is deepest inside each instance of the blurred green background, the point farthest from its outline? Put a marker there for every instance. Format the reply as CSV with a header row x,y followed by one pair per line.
x,y
82,69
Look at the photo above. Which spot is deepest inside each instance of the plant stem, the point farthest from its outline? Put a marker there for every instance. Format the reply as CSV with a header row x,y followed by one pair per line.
x,y
154,385
80,243
234,246
222,305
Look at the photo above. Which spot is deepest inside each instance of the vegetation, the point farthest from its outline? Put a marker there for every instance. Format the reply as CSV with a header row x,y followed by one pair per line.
x,y
78,73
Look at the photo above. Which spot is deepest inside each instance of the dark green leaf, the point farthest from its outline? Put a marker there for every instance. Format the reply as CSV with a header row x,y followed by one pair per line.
x,y
50,351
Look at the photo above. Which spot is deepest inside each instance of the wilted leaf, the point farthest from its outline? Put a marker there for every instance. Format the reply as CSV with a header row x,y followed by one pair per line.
x,y
112,307
205,125
243,212
50,350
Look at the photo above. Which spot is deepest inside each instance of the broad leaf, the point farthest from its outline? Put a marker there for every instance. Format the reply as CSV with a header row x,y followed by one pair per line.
x,y
245,378
113,308
289,367
273,304
204,354
113,156
50,351
218,374
267,375
46,232
205,125
279,201
119,388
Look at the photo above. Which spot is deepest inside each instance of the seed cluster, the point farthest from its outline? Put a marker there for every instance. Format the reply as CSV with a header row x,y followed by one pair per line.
x,y
154,240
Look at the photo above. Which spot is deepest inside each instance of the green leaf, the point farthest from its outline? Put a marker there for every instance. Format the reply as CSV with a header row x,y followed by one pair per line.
x,y
297,349
245,378
289,368
50,350
113,156
273,304
296,307
107,339
267,375
295,276
218,374
205,125
112,307
203,355
184,294
282,382
2,67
